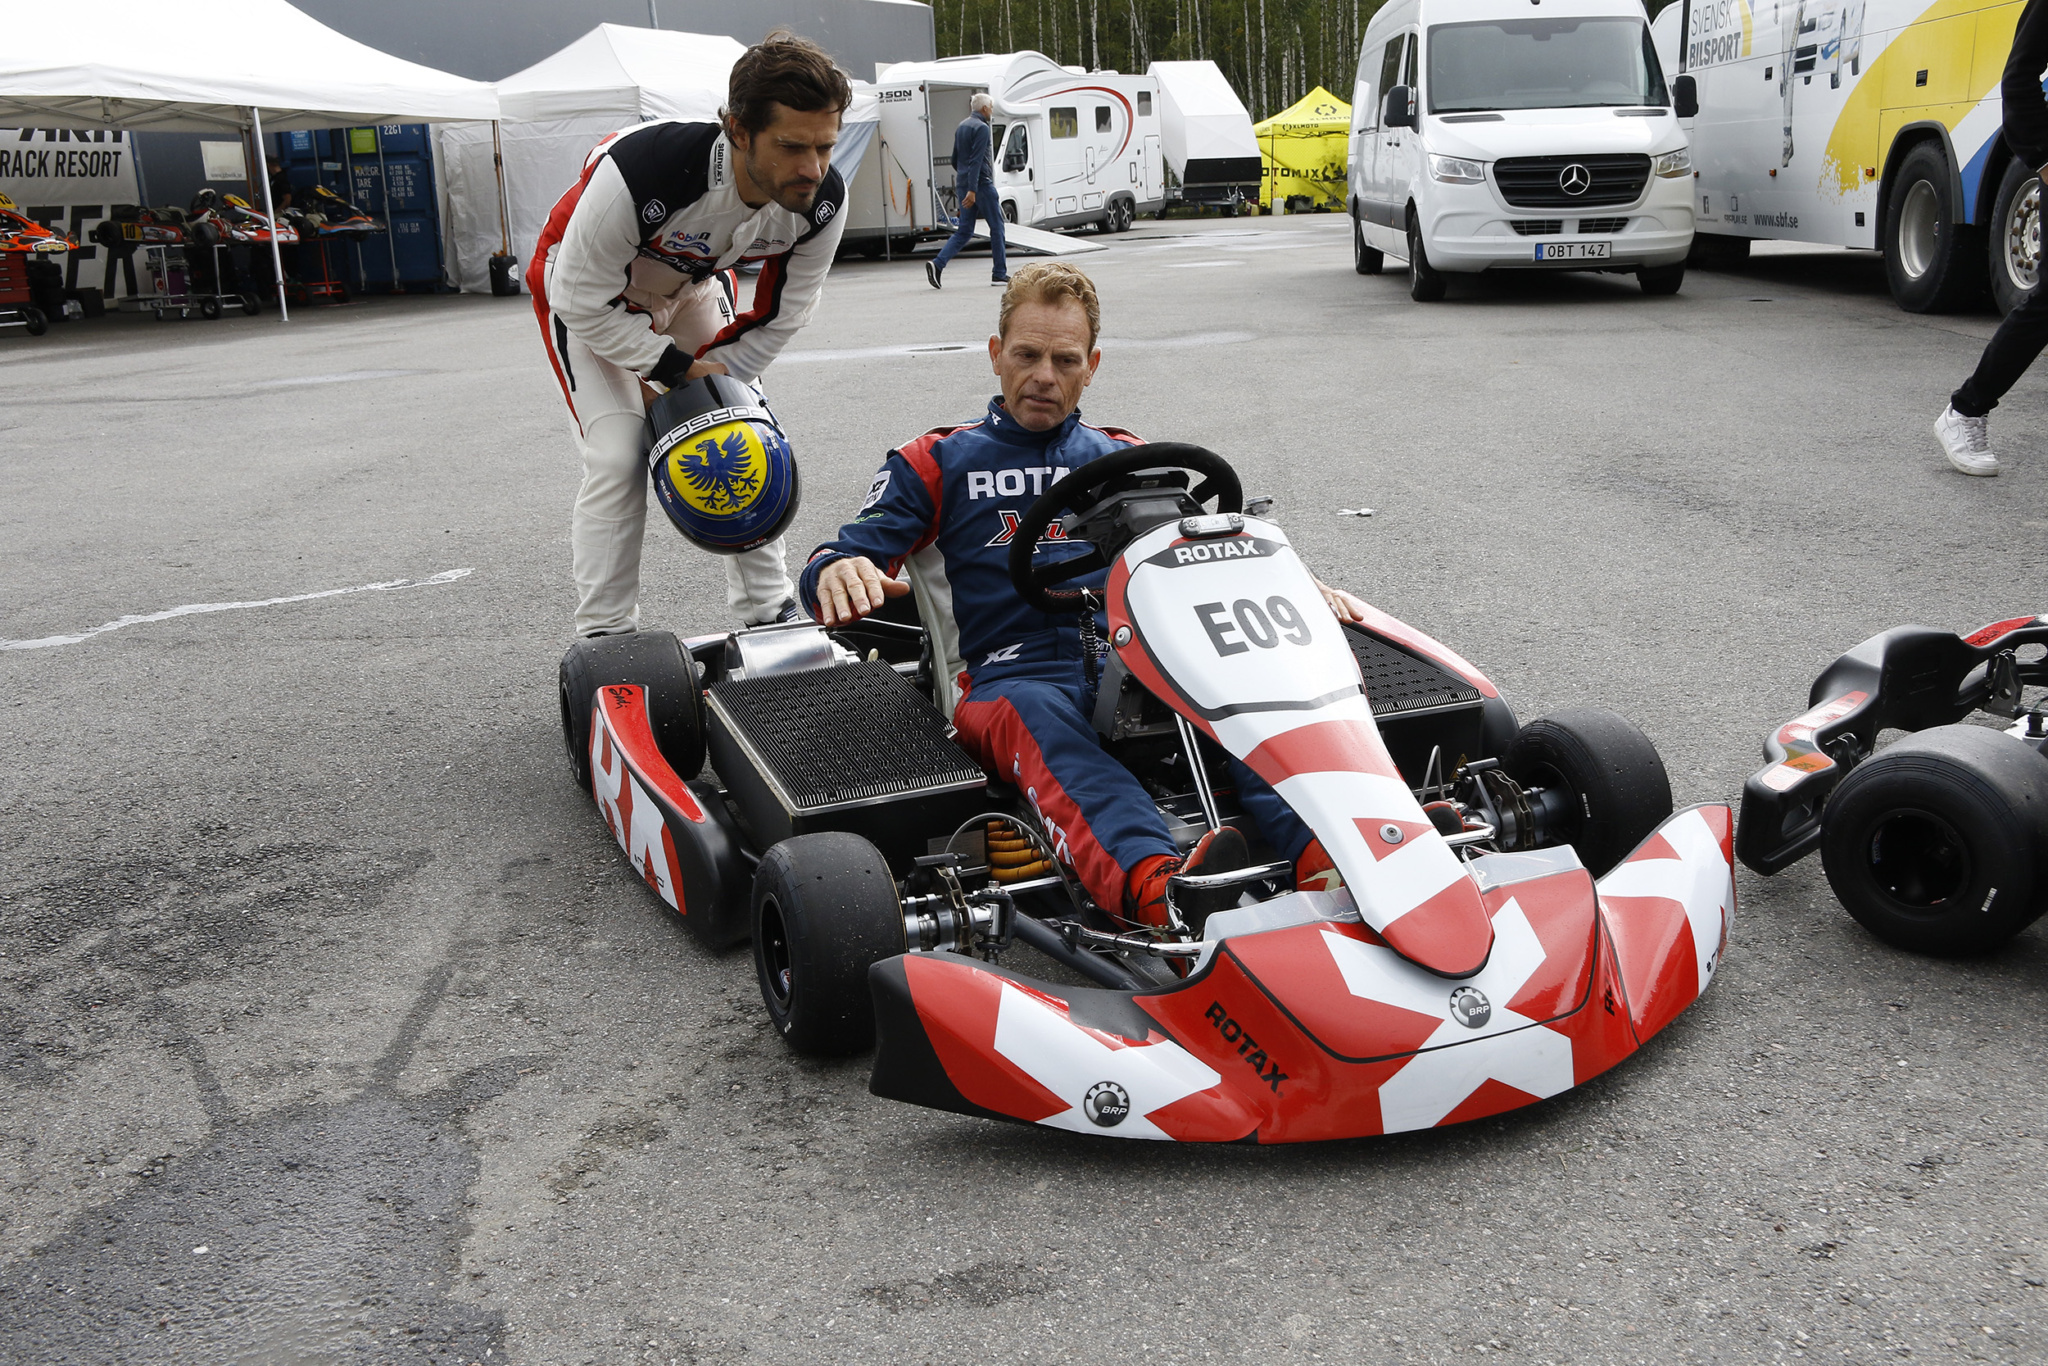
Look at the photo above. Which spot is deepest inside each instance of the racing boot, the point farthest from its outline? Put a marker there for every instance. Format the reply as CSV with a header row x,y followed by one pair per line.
x,y
1219,851
1314,872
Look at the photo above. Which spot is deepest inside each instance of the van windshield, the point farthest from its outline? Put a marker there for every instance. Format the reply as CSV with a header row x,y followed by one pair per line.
x,y
1542,64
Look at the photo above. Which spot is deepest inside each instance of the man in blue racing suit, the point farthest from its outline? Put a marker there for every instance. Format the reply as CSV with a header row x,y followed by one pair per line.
x,y
955,496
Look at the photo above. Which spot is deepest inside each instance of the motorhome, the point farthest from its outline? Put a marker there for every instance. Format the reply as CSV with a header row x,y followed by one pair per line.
x,y
1517,134
1861,123
1212,156
1072,148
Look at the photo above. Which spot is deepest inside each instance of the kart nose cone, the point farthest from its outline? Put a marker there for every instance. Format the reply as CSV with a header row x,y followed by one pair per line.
x,y
1450,934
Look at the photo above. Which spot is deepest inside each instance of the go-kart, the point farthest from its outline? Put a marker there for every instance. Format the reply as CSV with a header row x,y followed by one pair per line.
x,y
327,214
1470,963
1939,842
26,247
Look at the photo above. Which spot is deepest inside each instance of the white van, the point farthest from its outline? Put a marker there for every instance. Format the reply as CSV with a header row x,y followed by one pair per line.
x,y
1518,134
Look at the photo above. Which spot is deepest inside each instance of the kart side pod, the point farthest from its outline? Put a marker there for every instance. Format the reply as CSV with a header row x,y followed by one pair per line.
x,y
1318,1030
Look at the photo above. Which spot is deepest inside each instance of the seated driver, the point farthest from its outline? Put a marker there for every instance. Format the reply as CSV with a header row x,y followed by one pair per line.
x,y
960,492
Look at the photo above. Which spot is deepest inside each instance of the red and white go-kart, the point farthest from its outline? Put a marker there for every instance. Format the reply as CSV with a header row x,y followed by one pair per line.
x,y
1520,911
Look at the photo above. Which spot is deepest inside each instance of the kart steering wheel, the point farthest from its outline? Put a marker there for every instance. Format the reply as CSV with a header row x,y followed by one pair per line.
x,y
1082,489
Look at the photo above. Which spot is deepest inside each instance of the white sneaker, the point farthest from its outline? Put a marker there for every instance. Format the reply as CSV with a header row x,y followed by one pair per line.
x,y
1964,442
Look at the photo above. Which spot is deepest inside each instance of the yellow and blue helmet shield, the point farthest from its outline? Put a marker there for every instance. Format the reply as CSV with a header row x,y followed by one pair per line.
x,y
721,467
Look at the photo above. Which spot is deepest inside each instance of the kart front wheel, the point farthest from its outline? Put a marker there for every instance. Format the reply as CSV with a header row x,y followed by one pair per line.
x,y
656,661
825,911
1612,786
1937,844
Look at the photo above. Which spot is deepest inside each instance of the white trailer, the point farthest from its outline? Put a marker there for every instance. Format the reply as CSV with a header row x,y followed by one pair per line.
x,y
1071,147
1212,155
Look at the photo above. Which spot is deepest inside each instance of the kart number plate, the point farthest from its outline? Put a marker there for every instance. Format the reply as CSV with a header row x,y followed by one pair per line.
x,y
1573,251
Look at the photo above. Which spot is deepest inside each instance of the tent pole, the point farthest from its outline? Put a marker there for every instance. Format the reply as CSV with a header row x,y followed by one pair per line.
x,y
390,227
284,313
504,207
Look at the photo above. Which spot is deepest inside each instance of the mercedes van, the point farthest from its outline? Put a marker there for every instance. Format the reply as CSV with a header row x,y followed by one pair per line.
x,y
1518,135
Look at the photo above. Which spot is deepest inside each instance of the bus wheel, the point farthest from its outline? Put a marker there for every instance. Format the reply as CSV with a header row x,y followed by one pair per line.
x,y
1932,259
2016,238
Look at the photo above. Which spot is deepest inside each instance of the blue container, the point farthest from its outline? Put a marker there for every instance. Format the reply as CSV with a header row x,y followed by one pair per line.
x,y
356,163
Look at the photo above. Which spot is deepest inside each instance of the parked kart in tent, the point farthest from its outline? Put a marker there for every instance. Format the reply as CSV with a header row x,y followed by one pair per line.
x,y
1521,907
327,214
24,243
1939,842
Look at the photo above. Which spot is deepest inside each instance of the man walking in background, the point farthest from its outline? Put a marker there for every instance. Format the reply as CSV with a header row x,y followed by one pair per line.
x,y
1961,426
974,176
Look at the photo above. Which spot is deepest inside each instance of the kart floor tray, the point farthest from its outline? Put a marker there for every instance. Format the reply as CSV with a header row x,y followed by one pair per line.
x,y
849,748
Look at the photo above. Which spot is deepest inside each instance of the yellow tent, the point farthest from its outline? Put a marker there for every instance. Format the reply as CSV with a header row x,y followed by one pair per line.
x,y
1302,150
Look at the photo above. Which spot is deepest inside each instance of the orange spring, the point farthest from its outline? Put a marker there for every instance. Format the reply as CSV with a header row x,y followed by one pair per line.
x,y
1012,857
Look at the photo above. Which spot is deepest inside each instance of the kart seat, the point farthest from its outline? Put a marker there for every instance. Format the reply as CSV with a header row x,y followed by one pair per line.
x,y
934,598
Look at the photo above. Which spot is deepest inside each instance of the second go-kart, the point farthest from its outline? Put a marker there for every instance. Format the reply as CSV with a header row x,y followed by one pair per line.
x,y
1521,908
1939,842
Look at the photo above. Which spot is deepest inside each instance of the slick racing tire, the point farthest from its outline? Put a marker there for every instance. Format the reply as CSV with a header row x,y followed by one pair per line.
x,y
2015,246
656,661
1933,261
1425,281
1939,844
1364,259
1615,786
825,911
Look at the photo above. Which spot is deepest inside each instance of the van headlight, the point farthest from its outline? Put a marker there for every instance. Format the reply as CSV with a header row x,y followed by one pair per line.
x,y
1676,163
1456,170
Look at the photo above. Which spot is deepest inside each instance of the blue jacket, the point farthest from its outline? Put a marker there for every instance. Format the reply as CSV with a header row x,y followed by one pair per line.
x,y
962,491
973,162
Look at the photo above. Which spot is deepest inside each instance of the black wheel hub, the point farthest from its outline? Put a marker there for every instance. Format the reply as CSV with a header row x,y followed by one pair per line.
x,y
1919,860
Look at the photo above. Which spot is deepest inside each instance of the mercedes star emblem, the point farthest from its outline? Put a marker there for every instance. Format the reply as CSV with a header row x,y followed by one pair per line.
x,y
1575,179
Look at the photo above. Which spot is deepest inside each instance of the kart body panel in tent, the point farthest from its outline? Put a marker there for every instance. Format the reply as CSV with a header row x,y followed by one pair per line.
x,y
1303,149
136,65
562,106
1206,132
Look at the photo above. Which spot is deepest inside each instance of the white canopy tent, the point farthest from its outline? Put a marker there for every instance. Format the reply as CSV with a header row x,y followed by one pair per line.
x,y
138,64
556,110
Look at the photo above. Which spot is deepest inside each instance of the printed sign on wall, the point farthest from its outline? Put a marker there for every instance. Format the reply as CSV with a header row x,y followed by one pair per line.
x,y
69,180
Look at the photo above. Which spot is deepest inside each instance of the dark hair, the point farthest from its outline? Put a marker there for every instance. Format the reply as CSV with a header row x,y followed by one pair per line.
x,y
787,70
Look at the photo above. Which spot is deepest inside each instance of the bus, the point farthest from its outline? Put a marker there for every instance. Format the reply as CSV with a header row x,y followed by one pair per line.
x,y
1860,123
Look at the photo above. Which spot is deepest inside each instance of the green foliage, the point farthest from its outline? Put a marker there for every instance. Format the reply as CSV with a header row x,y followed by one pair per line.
x,y
1272,51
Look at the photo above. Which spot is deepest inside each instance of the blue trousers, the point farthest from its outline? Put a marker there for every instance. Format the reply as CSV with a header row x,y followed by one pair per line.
x,y
1034,732
988,205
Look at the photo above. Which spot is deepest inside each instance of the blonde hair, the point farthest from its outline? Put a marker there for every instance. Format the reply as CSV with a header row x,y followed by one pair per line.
x,y
1051,282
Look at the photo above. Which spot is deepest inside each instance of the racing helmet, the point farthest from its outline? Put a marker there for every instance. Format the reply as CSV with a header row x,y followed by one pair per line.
x,y
720,464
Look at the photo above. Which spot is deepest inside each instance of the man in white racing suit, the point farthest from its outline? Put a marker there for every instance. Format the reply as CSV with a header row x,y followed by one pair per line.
x,y
634,283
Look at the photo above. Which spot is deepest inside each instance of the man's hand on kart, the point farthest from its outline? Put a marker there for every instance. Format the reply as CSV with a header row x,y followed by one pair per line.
x,y
1341,603
851,588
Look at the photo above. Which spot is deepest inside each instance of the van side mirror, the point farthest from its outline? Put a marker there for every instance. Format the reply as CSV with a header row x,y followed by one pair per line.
x,y
1399,109
1013,160
1685,97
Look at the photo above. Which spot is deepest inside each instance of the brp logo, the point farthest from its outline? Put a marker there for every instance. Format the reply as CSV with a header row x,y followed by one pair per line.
x,y
655,211
1470,1008
1106,1104
826,208
1575,179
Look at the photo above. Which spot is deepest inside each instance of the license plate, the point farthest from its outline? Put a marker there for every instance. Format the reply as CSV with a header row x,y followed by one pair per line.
x,y
1572,251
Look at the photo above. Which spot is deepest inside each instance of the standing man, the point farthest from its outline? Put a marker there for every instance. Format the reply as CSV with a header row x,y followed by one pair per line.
x,y
974,176
1961,426
633,281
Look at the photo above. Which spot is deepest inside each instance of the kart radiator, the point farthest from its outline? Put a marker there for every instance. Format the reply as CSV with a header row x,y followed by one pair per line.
x,y
852,748
1419,705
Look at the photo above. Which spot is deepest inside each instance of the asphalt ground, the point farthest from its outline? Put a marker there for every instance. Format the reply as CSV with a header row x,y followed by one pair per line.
x,y
337,1029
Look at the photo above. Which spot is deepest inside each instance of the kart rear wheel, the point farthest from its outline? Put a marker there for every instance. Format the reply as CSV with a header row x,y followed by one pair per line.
x,y
1937,844
1616,788
825,911
656,661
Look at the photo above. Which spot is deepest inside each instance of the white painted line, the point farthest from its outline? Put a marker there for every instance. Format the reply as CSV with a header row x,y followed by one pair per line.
x,y
1174,343
343,377
197,608
882,352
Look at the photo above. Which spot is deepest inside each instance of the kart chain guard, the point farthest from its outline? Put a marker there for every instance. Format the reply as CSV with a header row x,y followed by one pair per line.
x,y
1231,632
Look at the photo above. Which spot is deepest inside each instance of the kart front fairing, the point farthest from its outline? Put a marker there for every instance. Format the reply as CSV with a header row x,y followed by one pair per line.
x,y
1432,989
